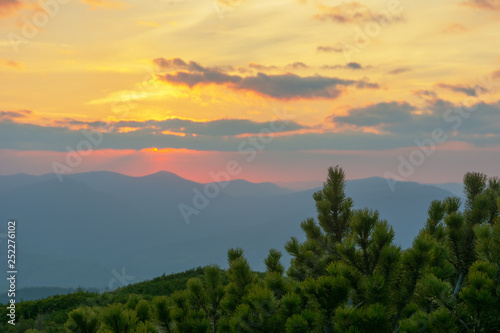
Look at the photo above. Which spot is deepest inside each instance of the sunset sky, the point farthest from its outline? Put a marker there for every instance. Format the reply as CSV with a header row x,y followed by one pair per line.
x,y
187,85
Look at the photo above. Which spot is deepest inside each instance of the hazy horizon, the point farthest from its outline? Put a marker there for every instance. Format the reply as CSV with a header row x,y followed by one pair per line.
x,y
291,182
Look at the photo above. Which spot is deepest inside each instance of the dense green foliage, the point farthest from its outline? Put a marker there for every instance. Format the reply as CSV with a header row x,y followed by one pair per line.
x,y
50,314
162,285
347,276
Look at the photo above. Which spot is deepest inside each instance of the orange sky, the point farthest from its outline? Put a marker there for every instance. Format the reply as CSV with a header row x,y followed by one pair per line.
x,y
199,80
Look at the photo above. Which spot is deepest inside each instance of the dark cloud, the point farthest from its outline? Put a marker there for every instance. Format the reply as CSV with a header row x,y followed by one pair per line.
x,y
467,90
260,67
353,12
425,93
207,76
34,137
220,127
399,71
297,65
177,64
377,114
484,120
401,127
289,86
68,121
284,86
293,66
477,124
354,65
10,115
350,65
330,49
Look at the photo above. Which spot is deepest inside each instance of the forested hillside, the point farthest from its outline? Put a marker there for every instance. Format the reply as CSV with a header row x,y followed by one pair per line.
x,y
347,276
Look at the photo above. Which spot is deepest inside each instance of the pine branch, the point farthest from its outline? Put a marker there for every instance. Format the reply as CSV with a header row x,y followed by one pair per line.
x,y
457,287
457,317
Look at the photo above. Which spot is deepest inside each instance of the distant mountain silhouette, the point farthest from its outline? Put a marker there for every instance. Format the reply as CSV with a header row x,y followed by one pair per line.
x,y
455,188
243,188
91,227
34,293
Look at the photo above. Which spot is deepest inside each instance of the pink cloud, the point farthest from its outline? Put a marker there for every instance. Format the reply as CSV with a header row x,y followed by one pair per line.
x,y
484,4
10,7
12,64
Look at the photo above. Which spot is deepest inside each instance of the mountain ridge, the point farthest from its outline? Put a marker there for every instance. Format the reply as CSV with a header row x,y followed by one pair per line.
x,y
79,231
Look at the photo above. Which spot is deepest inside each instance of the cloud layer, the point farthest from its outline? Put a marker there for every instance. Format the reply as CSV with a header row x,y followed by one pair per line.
x,y
220,127
464,89
399,124
9,7
477,124
353,12
484,4
378,114
281,86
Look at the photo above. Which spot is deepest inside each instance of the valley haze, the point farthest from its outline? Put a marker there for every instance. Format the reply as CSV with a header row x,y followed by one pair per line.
x,y
82,231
